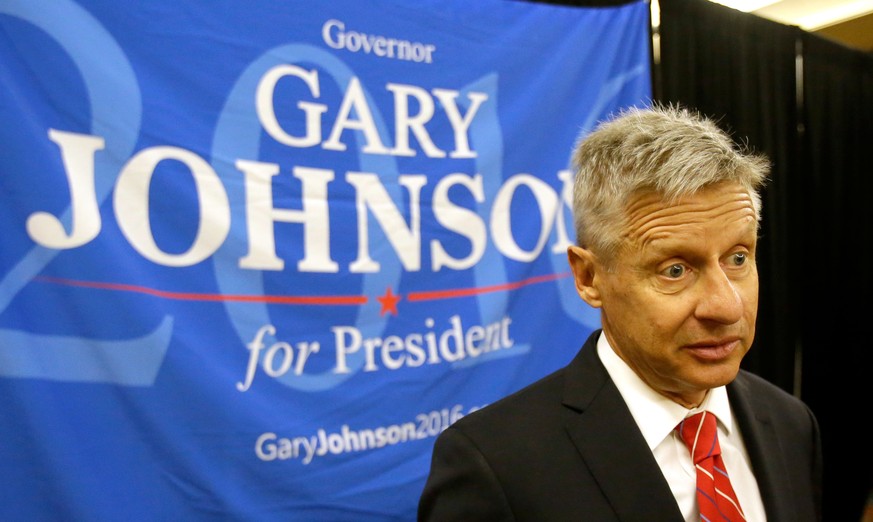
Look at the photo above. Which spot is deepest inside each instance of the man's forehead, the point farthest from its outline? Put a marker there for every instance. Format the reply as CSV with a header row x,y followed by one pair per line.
x,y
722,217
652,211
653,197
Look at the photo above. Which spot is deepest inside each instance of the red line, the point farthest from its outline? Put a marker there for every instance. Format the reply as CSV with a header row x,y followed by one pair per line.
x,y
302,300
464,292
186,296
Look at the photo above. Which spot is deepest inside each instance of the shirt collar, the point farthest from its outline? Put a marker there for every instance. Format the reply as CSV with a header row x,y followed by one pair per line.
x,y
655,414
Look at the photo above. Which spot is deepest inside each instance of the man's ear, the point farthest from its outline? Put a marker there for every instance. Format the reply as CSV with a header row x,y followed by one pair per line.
x,y
584,265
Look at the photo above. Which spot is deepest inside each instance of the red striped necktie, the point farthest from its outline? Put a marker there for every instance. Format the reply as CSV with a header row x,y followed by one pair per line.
x,y
715,496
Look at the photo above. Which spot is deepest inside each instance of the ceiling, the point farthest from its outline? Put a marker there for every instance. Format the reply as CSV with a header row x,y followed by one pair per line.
x,y
849,22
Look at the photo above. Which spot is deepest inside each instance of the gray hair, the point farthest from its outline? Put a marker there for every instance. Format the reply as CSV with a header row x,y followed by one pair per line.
x,y
664,149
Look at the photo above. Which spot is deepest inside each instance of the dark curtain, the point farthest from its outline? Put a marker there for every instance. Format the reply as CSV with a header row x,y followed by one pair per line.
x,y
835,225
818,221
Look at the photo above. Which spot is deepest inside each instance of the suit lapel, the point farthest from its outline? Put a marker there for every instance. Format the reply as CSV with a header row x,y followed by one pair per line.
x,y
763,447
611,445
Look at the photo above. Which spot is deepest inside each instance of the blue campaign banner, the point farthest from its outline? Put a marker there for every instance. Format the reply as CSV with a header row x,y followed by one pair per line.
x,y
255,256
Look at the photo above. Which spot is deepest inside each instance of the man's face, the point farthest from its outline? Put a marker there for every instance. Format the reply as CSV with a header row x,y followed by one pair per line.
x,y
679,302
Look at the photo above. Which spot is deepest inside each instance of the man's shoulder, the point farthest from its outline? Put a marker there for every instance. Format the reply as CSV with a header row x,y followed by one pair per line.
x,y
541,398
762,395
544,404
756,386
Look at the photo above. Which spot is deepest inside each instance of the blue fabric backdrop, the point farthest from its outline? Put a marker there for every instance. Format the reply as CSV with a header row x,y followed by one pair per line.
x,y
255,256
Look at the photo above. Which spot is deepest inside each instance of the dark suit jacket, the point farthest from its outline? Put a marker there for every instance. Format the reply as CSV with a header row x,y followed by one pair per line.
x,y
567,448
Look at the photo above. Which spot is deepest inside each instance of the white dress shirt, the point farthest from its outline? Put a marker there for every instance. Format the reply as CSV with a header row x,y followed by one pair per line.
x,y
657,416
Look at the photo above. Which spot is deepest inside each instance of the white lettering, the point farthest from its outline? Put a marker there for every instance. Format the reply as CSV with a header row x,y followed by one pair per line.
x,y
406,240
354,99
401,225
501,231
265,449
404,234
404,122
460,124
77,155
335,35
264,105
394,352
260,216
131,204
283,350
460,220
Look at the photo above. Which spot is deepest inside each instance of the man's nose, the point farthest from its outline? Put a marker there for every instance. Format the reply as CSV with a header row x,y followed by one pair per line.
x,y
719,298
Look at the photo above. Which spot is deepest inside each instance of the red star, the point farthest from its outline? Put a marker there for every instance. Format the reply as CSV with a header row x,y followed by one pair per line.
x,y
389,302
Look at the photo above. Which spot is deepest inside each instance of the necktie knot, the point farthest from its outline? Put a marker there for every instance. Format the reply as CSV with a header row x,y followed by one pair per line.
x,y
700,434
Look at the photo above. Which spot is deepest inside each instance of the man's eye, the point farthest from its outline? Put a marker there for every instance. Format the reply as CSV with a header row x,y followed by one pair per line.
x,y
675,271
739,258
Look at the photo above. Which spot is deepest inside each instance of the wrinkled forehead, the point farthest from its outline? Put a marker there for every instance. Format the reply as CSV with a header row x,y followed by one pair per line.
x,y
650,215
708,195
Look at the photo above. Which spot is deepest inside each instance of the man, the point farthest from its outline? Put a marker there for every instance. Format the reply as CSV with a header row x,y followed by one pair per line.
x,y
667,211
